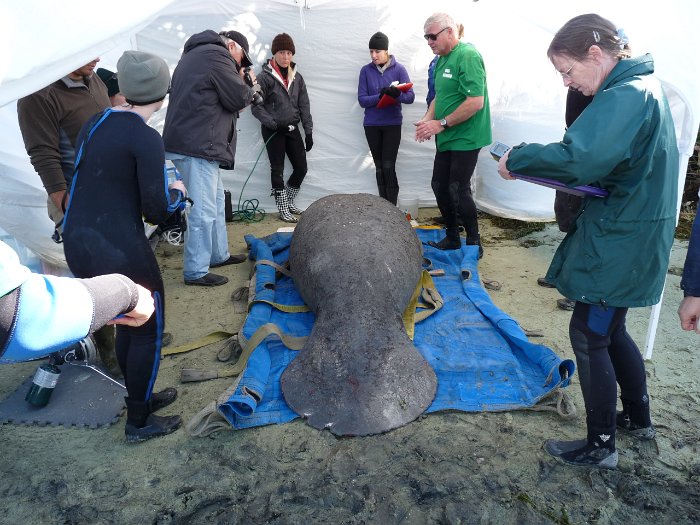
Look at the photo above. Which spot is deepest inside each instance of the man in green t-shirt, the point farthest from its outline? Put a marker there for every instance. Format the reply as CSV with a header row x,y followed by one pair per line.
x,y
460,119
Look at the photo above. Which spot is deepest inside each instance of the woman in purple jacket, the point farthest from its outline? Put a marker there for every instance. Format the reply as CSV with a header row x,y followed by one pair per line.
x,y
383,125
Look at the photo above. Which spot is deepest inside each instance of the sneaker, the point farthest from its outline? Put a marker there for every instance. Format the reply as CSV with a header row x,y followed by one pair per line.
x,y
210,279
581,454
566,304
163,398
625,424
542,281
233,259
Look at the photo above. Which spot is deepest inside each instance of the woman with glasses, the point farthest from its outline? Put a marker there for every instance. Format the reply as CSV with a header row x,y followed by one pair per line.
x,y
378,93
616,254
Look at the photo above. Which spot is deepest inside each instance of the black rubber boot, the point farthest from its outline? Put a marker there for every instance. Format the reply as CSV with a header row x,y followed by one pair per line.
x,y
163,398
142,425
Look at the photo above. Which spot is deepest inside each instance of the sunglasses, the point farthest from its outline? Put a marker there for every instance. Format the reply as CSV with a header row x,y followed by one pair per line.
x,y
433,36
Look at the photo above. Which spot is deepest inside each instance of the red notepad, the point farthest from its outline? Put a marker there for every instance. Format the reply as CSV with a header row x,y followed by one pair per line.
x,y
386,100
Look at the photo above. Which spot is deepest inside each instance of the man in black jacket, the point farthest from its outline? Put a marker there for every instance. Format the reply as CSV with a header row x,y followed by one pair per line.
x,y
208,91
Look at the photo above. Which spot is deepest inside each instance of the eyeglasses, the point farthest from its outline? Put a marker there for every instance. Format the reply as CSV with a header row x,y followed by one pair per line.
x,y
433,36
567,74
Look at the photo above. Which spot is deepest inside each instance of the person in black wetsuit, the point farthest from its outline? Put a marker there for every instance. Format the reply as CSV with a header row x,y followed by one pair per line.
x,y
119,180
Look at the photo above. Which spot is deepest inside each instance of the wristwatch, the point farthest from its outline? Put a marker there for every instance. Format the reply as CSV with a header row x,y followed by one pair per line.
x,y
444,124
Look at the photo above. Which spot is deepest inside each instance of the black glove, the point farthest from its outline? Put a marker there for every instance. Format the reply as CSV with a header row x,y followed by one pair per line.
x,y
393,91
309,142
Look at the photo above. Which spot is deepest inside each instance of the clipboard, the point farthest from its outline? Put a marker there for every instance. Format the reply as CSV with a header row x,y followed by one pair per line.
x,y
386,100
580,191
498,149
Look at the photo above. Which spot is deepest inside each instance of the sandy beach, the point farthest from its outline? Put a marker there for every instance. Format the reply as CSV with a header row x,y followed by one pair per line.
x,y
444,468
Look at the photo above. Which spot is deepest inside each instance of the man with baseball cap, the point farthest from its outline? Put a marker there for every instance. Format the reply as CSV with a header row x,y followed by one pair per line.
x,y
208,91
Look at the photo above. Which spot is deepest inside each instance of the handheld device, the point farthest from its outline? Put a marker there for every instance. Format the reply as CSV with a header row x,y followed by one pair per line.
x,y
498,149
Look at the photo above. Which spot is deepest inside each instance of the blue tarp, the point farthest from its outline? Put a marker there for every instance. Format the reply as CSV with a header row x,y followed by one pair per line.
x,y
482,358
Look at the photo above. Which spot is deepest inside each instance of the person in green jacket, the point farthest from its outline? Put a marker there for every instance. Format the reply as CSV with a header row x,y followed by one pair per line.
x,y
616,254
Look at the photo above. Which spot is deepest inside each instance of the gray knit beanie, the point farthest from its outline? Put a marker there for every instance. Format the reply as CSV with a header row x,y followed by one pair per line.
x,y
143,78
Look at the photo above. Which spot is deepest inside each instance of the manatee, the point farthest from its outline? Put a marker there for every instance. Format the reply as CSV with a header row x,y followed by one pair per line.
x,y
356,262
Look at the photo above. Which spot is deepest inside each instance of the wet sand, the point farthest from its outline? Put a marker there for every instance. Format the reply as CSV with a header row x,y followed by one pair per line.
x,y
444,468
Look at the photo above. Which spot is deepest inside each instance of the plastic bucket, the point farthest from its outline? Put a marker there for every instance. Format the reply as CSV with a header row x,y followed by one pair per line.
x,y
409,205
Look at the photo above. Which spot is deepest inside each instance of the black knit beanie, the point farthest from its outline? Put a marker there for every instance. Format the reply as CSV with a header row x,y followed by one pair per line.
x,y
283,42
379,41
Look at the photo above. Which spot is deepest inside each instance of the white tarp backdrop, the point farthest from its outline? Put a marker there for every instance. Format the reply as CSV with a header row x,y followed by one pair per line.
x,y
41,41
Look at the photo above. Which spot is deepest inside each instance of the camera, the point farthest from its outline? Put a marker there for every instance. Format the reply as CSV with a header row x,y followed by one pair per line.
x,y
257,91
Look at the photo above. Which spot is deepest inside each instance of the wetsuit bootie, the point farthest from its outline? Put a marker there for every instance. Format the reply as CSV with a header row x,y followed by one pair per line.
x,y
163,398
581,454
475,241
452,240
142,425
635,419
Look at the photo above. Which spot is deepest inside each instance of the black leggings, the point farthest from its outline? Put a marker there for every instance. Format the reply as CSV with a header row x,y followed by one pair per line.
x,y
137,347
606,355
451,183
383,142
289,143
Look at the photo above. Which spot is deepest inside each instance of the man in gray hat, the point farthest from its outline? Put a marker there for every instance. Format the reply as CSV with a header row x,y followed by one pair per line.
x,y
208,90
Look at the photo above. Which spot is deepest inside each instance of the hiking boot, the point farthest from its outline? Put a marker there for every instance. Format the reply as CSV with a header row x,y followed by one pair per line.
x,y
566,304
210,279
155,426
581,454
625,424
163,398
542,281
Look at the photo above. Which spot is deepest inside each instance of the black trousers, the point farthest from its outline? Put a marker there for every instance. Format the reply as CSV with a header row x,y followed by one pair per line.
x,y
383,142
606,355
451,183
289,143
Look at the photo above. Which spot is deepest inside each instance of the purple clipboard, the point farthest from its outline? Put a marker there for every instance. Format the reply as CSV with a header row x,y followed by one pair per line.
x,y
581,191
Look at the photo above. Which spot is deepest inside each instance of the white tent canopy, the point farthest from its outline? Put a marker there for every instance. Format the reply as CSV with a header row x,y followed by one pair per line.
x,y
42,41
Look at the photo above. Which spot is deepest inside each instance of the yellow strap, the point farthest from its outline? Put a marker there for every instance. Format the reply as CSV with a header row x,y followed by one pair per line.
x,y
288,308
248,345
425,289
208,339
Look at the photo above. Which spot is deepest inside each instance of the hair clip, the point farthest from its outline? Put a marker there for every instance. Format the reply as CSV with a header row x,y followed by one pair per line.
x,y
622,36
596,36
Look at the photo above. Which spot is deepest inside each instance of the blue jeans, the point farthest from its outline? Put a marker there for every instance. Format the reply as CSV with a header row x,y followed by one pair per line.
x,y
206,241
